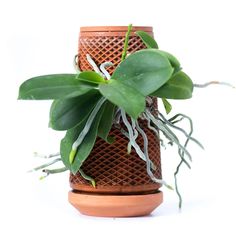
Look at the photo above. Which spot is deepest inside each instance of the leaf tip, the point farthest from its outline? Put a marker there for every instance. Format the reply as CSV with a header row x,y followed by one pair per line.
x,y
169,187
129,147
73,171
42,177
93,183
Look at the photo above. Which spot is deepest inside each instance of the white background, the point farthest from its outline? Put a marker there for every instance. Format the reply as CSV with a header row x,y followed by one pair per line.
x,y
40,37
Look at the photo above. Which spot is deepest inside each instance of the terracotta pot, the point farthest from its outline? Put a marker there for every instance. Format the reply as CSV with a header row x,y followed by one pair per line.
x,y
123,187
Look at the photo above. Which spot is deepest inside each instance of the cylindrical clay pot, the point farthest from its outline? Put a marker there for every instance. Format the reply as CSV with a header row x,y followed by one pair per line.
x,y
123,187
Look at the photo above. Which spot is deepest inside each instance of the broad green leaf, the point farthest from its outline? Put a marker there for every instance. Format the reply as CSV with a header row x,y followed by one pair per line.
x,y
167,105
55,86
67,142
124,96
173,60
106,121
145,70
67,113
150,42
147,39
85,147
91,76
180,86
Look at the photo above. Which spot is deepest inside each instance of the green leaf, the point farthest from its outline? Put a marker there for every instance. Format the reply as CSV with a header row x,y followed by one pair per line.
x,y
66,113
55,86
145,70
124,96
173,60
67,142
167,105
85,147
91,77
180,86
148,40
106,121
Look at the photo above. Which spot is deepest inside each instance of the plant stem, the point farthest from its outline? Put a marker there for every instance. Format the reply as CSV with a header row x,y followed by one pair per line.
x,y
87,178
76,64
180,129
45,165
156,131
132,138
53,171
93,64
182,156
176,184
46,156
148,161
169,134
211,83
104,71
124,53
135,136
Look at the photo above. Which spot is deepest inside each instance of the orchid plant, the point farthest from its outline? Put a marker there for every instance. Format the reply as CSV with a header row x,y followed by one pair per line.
x,y
88,104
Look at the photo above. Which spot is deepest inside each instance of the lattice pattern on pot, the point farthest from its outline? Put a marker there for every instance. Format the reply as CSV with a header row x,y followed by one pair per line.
x,y
110,164
105,48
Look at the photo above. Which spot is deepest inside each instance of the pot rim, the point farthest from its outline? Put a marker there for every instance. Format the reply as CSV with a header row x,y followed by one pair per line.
x,y
114,28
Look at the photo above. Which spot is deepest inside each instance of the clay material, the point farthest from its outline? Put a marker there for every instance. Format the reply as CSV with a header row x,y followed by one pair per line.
x,y
123,187
114,171
115,205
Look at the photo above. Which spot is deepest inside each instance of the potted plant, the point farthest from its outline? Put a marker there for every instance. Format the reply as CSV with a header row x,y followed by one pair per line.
x,y
113,125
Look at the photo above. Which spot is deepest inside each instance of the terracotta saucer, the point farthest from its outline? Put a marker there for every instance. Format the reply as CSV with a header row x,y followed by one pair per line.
x,y
115,205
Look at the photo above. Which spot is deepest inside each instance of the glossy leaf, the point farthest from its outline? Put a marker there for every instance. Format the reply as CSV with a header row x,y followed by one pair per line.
x,y
173,60
150,42
145,70
67,142
91,77
124,96
67,113
180,86
55,86
147,39
85,147
106,121
167,105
